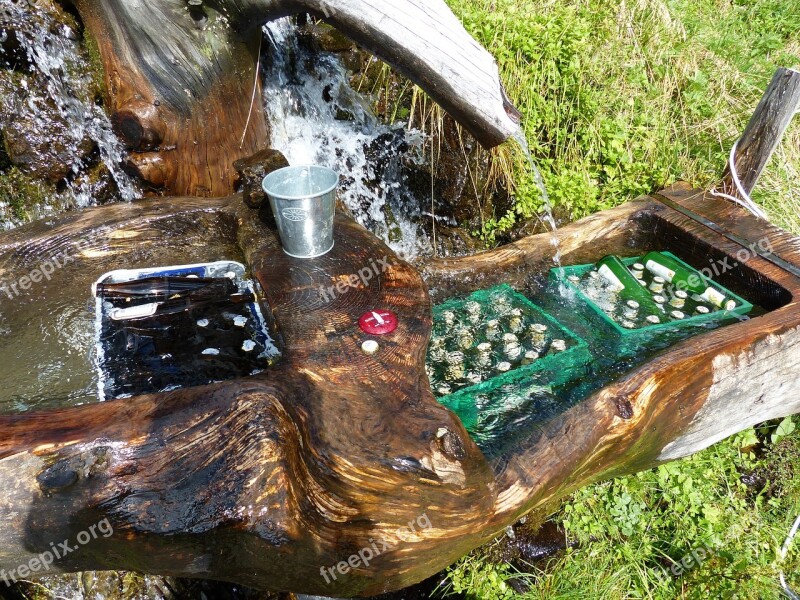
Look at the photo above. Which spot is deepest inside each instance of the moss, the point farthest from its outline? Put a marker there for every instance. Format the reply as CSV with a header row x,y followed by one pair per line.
x,y
20,195
96,67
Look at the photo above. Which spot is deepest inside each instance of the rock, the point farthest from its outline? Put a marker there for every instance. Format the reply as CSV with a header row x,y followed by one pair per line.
x,y
22,198
37,144
454,241
327,38
122,585
99,183
12,55
252,171
40,120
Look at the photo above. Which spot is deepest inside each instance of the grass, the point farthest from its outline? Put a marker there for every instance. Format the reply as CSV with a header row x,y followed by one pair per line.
x,y
631,531
622,97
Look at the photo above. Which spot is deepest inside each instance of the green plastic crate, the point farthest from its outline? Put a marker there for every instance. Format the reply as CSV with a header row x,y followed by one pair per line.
x,y
527,387
742,309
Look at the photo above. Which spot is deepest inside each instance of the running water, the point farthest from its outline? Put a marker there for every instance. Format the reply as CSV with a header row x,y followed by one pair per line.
x,y
59,77
318,118
520,138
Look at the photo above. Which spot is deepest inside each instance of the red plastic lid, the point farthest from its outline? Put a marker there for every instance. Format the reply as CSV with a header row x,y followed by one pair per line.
x,y
378,322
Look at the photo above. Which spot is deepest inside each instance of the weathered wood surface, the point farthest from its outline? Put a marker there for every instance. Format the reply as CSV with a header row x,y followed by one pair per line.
x,y
268,480
765,130
183,93
179,91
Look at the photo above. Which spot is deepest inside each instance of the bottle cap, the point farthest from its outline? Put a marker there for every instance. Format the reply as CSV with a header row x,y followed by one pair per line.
x,y
378,322
474,377
455,358
370,347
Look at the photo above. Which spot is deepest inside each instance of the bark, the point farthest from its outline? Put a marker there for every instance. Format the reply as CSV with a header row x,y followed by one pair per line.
x,y
179,91
269,480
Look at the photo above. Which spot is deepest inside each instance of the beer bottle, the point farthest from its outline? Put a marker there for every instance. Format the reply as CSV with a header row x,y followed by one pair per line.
x,y
612,270
163,287
176,306
671,270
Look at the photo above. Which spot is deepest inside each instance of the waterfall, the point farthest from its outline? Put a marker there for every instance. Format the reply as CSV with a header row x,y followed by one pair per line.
x,y
317,118
54,57
549,218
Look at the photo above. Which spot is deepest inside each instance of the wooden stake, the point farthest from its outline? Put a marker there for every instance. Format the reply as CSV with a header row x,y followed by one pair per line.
x,y
764,131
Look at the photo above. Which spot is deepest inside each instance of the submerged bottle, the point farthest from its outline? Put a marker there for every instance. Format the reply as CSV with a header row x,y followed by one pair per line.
x,y
612,269
165,287
182,304
671,270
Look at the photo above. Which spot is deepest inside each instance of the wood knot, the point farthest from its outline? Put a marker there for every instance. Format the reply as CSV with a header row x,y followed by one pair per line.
x,y
139,126
151,167
450,444
624,407
67,472
57,478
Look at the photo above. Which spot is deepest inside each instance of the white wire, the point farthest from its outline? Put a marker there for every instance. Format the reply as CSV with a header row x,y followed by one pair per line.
x,y
732,160
741,203
253,97
784,551
746,201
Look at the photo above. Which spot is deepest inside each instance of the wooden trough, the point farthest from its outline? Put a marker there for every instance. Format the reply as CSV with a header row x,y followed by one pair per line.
x,y
338,473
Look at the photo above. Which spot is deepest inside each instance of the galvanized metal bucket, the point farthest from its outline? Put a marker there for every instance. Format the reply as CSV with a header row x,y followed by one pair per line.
x,y
303,200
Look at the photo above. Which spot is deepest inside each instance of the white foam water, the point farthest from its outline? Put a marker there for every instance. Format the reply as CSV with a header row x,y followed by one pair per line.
x,y
317,118
52,50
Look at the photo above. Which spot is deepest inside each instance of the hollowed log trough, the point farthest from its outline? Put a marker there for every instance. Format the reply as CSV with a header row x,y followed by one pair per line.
x,y
274,480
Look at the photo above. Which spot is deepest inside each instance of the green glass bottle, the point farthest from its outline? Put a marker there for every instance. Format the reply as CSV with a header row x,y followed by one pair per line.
x,y
613,270
671,270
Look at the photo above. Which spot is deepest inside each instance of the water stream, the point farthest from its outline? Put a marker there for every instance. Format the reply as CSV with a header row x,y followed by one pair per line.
x,y
57,76
520,139
318,118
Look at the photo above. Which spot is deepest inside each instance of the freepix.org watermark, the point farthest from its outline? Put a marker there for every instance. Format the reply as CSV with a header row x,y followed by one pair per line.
x,y
718,267
375,548
46,559
361,279
45,269
693,559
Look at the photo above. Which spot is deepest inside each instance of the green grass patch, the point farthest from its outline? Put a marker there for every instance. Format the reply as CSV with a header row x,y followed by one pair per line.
x,y
621,98
688,529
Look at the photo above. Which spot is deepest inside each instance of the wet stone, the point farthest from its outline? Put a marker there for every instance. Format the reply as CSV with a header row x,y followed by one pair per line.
x,y
252,171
